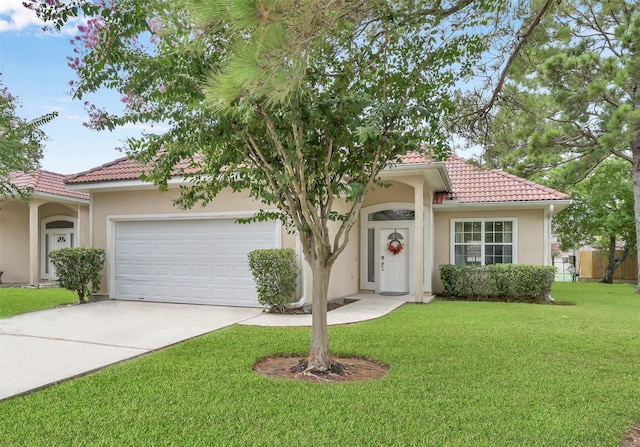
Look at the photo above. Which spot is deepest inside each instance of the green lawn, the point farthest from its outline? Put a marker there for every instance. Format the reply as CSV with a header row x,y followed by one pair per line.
x,y
14,301
462,374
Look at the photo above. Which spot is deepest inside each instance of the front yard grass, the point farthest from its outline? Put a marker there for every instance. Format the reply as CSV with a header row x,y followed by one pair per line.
x,y
462,374
15,301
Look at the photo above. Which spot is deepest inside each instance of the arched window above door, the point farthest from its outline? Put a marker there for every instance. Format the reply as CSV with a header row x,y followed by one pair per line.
x,y
385,215
59,224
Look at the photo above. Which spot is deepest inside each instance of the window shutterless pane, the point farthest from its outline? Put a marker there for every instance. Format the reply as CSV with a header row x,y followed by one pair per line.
x,y
371,276
467,254
496,235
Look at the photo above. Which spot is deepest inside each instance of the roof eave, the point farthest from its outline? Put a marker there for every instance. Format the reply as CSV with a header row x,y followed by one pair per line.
x,y
558,205
58,198
115,185
440,181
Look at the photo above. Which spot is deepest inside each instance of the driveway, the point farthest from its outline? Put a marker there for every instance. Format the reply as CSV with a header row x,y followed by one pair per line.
x,y
41,348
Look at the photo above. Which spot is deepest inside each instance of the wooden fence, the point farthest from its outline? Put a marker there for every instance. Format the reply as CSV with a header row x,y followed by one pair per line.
x,y
592,265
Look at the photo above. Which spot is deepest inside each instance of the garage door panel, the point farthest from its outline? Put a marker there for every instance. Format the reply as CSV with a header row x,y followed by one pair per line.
x,y
188,261
242,272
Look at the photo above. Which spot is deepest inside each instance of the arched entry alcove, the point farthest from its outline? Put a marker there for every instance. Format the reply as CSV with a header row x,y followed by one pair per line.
x,y
56,232
387,248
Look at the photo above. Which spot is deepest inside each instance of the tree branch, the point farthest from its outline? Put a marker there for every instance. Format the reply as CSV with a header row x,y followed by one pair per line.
x,y
505,71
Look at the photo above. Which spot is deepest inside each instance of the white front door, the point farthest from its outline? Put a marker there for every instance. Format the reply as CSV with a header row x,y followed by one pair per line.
x,y
394,260
56,241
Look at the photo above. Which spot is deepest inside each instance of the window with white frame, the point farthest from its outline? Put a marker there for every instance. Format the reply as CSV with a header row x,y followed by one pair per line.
x,y
483,242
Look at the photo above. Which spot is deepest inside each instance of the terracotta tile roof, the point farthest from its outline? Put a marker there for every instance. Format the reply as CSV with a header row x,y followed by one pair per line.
x,y
45,182
122,169
472,184
415,157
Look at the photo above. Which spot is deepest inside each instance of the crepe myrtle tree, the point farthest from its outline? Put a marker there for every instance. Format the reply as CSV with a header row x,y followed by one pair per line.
x,y
301,103
21,142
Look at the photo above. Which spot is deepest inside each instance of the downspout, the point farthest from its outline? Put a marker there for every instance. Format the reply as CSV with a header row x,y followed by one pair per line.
x,y
302,283
549,232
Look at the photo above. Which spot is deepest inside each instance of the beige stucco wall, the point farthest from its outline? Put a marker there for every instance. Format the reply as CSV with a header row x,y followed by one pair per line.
x,y
14,242
345,278
530,236
56,209
152,202
345,272
14,234
83,226
396,192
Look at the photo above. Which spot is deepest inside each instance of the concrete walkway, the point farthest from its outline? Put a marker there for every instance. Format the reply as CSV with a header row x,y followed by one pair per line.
x,y
42,348
368,307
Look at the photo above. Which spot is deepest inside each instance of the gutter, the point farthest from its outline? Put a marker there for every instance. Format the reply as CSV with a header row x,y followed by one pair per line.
x,y
559,205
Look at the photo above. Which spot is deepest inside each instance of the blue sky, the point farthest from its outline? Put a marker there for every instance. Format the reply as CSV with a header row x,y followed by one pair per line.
x,y
34,68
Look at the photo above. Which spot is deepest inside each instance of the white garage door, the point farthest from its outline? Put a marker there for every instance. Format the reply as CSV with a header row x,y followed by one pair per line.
x,y
188,261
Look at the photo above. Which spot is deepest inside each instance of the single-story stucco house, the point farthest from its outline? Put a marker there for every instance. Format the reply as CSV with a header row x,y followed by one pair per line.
x,y
441,212
54,217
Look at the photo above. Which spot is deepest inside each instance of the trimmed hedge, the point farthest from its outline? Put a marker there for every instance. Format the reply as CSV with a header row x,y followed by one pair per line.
x,y
276,274
503,282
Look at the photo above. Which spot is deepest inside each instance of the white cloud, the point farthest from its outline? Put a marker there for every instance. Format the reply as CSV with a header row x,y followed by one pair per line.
x,y
15,17
75,117
71,27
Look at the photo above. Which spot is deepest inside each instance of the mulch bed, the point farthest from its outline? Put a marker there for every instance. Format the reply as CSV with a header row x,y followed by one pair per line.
x,y
632,437
331,305
497,299
345,369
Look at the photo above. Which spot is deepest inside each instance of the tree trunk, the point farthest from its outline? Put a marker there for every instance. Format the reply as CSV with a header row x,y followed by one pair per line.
x,y
614,263
611,266
319,356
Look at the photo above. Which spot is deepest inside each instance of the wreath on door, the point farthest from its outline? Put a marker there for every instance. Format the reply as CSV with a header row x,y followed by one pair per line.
x,y
395,246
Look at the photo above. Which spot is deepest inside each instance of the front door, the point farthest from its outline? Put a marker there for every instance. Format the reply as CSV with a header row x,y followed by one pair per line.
x,y
56,241
394,260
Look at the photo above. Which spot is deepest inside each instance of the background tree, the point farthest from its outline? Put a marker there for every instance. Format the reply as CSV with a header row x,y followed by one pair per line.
x,y
571,98
301,103
21,142
601,213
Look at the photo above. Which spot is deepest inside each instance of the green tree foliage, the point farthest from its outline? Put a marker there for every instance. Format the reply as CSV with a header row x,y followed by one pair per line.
x,y
79,269
601,213
571,99
302,103
21,142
